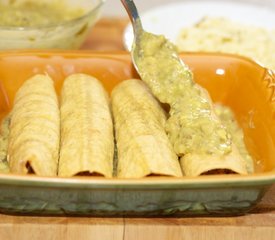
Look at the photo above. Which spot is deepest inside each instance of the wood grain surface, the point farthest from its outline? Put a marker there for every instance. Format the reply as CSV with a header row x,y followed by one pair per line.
x,y
107,35
257,225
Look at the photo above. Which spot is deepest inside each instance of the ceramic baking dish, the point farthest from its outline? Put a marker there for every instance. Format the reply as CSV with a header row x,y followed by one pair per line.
x,y
247,88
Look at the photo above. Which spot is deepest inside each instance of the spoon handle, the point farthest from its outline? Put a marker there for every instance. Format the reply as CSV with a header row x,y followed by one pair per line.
x,y
131,9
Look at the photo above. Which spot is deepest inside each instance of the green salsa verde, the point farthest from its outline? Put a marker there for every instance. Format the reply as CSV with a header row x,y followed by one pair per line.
x,y
36,13
192,125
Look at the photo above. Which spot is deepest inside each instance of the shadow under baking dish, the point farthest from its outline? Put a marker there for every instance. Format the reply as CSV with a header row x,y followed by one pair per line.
x,y
246,87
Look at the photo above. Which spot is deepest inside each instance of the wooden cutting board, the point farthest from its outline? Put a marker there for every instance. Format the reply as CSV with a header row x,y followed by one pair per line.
x,y
258,225
107,35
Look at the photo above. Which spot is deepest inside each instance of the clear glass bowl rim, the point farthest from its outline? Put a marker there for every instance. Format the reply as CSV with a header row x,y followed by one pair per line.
x,y
98,5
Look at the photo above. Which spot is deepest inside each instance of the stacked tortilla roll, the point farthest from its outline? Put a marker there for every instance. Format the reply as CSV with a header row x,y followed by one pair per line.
x,y
87,140
35,128
202,163
143,146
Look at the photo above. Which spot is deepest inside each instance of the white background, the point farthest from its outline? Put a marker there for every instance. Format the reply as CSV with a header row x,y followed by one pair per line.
x,y
114,8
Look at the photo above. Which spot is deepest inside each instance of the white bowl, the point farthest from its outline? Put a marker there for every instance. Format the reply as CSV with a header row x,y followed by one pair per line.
x,y
170,19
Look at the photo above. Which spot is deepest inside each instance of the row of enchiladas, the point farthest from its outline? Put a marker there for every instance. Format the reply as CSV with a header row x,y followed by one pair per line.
x,y
80,133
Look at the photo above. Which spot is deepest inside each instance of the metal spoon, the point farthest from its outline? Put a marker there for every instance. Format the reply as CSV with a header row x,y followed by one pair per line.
x,y
137,25
134,16
152,55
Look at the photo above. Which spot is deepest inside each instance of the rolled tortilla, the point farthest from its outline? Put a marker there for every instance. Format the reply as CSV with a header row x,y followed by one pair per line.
x,y
203,164
195,164
4,137
34,128
87,140
143,146
228,119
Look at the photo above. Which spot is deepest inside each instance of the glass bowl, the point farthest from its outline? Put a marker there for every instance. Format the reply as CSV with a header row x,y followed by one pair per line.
x,y
68,34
